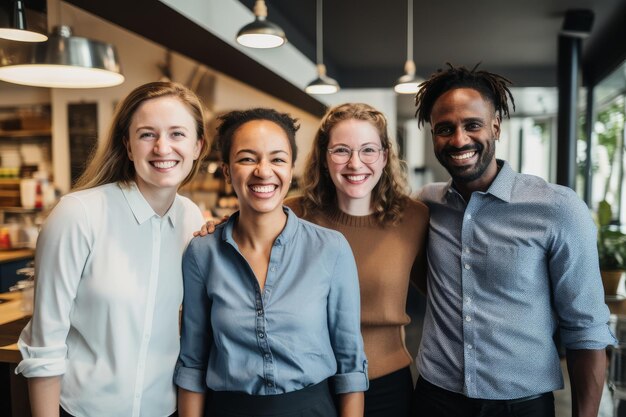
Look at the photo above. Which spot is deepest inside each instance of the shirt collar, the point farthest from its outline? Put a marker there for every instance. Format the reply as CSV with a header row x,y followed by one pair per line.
x,y
283,238
501,187
140,207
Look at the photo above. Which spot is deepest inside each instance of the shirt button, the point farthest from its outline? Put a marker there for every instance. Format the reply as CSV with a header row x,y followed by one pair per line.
x,y
469,346
273,269
261,335
468,300
467,266
270,384
469,379
468,318
469,217
467,250
267,356
259,312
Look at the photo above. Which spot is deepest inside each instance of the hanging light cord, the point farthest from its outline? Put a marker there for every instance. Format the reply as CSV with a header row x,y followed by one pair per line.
x,y
318,21
409,31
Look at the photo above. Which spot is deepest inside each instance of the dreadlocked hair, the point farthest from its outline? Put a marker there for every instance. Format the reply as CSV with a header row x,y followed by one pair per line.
x,y
389,196
492,87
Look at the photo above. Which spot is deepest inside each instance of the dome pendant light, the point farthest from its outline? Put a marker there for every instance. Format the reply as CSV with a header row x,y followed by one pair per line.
x,y
408,84
64,61
261,33
18,30
322,84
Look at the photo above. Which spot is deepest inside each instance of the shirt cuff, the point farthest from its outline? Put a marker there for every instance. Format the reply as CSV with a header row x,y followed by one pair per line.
x,y
41,361
598,337
191,379
351,382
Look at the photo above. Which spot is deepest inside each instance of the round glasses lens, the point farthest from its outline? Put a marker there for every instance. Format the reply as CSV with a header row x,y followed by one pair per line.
x,y
340,155
369,155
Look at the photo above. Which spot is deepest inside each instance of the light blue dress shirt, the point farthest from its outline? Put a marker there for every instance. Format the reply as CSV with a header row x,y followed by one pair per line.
x,y
506,270
303,328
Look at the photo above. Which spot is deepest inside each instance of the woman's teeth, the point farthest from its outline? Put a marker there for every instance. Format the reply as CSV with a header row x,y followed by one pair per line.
x,y
164,164
263,188
355,177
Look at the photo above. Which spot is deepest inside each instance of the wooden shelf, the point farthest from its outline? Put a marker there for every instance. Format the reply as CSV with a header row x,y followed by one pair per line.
x,y
25,133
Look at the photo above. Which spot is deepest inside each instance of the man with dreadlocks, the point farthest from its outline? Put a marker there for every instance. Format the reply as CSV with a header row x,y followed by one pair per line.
x,y
512,259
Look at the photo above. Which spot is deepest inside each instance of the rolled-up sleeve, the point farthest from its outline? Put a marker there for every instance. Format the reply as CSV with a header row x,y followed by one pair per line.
x,y
577,286
344,321
62,251
190,372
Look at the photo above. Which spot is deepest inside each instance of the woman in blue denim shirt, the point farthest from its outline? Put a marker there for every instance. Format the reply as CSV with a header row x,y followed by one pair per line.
x,y
271,306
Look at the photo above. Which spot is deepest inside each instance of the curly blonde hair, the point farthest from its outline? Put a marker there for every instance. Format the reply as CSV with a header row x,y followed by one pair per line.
x,y
390,193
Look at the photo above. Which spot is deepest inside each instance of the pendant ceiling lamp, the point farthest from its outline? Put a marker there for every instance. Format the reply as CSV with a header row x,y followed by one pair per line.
x,y
63,61
18,30
261,33
323,84
408,84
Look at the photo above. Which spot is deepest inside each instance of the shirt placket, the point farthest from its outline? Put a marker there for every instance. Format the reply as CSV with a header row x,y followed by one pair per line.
x,y
155,224
468,277
262,300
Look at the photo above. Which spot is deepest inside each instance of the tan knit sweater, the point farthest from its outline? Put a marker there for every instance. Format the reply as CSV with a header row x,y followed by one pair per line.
x,y
386,258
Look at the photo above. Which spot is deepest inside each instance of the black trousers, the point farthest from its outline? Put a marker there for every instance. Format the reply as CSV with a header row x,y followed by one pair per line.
x,y
390,395
312,401
432,401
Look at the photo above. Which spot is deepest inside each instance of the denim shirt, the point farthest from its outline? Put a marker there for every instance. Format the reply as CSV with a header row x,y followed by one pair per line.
x,y
506,271
303,328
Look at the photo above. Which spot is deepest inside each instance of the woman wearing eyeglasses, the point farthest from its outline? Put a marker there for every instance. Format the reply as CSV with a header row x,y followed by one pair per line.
x,y
353,183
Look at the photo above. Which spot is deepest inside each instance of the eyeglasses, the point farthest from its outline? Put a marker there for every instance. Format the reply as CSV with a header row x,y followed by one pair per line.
x,y
342,154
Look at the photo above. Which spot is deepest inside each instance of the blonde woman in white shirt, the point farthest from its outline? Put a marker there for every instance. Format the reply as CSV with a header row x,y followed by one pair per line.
x,y
103,340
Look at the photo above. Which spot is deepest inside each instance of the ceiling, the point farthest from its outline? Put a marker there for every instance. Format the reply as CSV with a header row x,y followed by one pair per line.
x,y
365,40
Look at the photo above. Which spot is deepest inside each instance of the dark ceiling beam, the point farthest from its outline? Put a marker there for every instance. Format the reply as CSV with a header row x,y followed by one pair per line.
x,y
386,77
147,18
606,49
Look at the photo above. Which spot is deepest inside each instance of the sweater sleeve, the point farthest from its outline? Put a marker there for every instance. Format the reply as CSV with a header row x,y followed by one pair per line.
x,y
419,270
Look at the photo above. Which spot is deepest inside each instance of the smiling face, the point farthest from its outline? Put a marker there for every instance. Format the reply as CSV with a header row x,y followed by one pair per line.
x,y
260,167
162,143
354,180
465,128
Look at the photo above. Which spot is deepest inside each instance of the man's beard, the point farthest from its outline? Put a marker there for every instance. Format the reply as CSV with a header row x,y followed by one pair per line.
x,y
468,173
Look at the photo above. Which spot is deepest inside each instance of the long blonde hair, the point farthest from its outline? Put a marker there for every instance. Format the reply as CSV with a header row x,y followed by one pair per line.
x,y
319,192
110,162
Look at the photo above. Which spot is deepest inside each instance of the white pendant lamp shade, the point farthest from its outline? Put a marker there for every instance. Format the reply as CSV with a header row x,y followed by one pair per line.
x,y
18,30
64,61
261,33
323,84
408,84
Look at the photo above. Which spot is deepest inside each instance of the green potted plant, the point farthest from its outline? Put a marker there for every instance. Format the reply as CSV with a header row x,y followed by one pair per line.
x,y
611,249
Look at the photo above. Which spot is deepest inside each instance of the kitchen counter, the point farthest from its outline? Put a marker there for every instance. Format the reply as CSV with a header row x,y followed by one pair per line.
x,y
14,389
12,321
16,255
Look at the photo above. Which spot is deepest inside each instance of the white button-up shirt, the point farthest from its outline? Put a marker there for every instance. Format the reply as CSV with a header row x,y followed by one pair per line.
x,y
108,293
